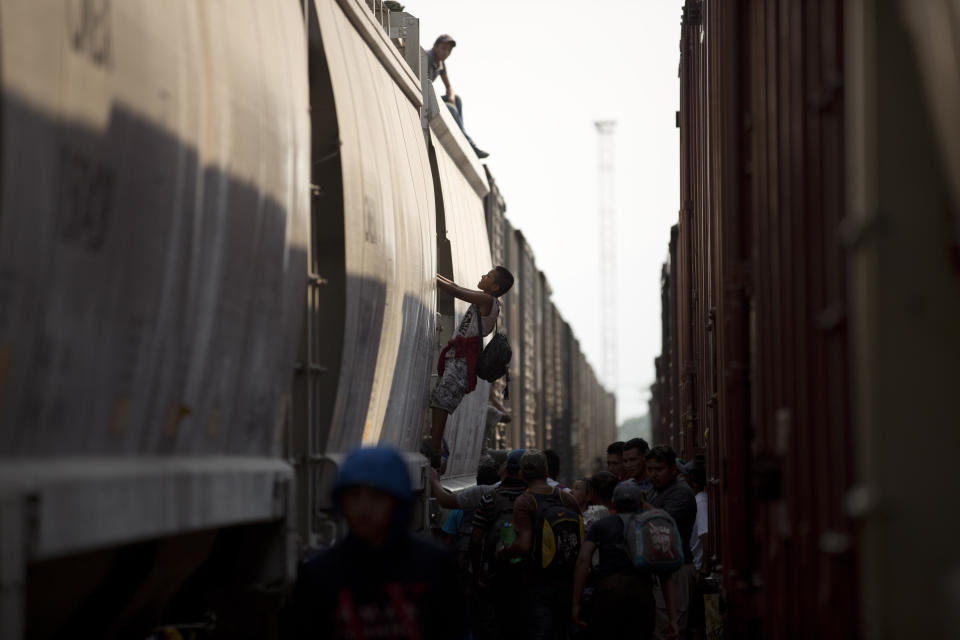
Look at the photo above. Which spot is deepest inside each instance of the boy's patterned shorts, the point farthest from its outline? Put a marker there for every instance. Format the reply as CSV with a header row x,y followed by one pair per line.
x,y
452,386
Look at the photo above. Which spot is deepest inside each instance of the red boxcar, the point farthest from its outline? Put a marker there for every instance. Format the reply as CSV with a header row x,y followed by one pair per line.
x,y
811,304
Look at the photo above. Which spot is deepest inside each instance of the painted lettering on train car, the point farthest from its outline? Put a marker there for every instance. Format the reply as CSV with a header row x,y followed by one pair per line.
x,y
88,22
86,195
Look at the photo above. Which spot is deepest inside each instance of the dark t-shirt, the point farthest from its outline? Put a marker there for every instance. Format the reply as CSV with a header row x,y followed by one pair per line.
x,y
434,69
525,508
607,534
405,590
485,513
677,499
525,517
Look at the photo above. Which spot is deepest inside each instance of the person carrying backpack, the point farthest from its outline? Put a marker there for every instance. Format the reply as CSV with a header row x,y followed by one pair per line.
x,y
624,577
462,361
549,537
380,576
675,497
500,599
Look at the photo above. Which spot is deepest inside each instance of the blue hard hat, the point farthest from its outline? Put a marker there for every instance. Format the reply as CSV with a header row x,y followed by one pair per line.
x,y
380,467
513,460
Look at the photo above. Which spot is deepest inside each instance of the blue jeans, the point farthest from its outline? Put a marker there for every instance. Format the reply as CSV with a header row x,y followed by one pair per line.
x,y
456,110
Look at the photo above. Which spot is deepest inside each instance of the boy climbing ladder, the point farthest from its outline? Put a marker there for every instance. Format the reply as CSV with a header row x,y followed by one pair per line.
x,y
458,360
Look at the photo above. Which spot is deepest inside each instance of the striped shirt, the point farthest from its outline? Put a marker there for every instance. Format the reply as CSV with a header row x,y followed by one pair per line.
x,y
484,515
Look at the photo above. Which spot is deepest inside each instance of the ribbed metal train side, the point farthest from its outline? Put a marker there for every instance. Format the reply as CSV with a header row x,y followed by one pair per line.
x,y
545,350
555,391
529,356
563,428
369,337
901,239
579,404
152,252
794,199
761,345
515,430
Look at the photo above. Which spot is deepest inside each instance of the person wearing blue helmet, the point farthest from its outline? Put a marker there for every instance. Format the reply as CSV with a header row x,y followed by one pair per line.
x,y
380,581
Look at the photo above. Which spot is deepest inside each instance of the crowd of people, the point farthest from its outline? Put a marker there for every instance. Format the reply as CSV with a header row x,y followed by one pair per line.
x,y
519,556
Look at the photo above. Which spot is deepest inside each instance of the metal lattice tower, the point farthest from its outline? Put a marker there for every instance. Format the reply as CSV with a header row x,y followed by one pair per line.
x,y
608,250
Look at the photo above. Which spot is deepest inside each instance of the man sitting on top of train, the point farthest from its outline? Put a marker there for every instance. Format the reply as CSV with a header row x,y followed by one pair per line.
x,y
442,48
459,358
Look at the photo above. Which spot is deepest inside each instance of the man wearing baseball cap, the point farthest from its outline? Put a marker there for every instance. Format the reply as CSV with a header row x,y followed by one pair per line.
x,y
442,48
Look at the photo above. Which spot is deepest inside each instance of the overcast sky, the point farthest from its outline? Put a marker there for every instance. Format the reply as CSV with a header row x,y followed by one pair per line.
x,y
533,76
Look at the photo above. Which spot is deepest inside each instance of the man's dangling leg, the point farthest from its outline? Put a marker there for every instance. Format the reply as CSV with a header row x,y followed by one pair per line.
x,y
437,429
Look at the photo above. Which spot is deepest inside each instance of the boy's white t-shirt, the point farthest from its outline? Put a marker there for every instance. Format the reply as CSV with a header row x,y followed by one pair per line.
x,y
487,323
700,527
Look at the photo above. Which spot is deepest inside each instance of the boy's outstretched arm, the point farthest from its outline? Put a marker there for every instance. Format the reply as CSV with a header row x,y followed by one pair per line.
x,y
483,300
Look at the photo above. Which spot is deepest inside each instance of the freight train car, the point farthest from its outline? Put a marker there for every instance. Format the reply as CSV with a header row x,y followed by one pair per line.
x,y
809,312
412,207
172,180
153,244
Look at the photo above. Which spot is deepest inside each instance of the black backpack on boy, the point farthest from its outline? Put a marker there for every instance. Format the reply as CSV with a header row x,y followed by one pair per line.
x,y
494,360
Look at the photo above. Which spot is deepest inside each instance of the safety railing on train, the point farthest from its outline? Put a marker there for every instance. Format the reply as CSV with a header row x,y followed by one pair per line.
x,y
400,27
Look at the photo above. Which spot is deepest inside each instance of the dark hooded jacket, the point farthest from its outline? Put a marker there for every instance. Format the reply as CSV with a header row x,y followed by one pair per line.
x,y
406,589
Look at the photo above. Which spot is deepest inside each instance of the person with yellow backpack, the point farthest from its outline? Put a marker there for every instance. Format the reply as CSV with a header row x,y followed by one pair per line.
x,y
549,533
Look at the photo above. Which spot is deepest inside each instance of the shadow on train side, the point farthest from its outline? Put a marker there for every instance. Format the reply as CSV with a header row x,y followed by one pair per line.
x,y
343,384
152,308
410,380
148,307
343,394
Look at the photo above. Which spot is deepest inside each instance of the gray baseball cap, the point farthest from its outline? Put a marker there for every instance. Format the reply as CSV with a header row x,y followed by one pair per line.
x,y
534,464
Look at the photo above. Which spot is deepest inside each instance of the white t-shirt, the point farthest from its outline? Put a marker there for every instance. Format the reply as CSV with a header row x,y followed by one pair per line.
x,y
593,513
700,528
468,325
